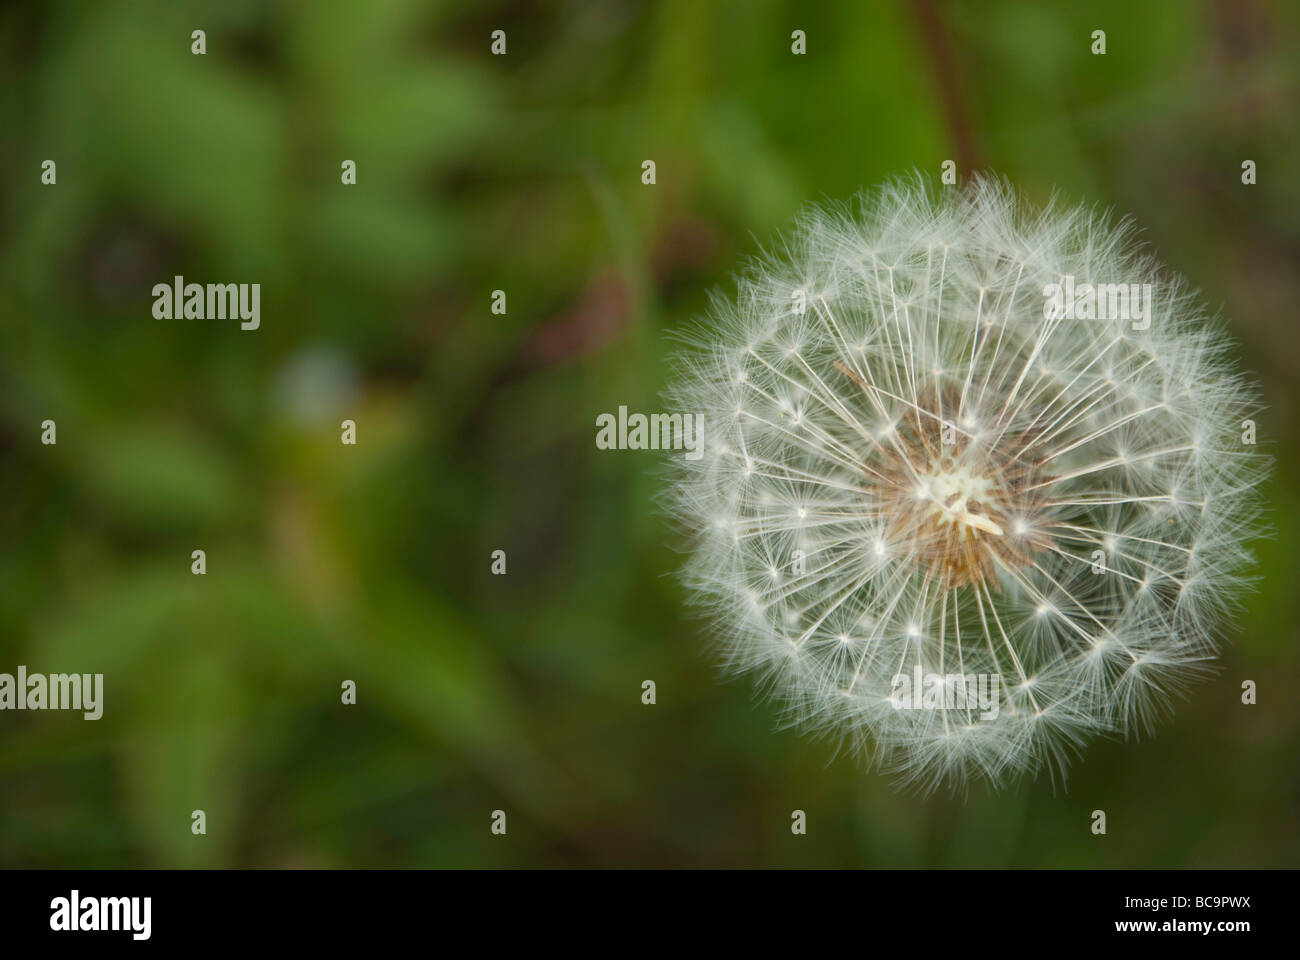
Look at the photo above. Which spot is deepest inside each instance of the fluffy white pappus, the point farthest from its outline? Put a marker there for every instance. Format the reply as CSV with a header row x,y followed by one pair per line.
x,y
945,520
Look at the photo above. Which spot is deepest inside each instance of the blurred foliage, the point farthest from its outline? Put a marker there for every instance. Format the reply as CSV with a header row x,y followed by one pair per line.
x,y
370,563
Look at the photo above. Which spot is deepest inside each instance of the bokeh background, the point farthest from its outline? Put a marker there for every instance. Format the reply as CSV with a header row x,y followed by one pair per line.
x,y
476,432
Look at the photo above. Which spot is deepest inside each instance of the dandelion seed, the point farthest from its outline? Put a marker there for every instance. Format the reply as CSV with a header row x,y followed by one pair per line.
x,y
944,456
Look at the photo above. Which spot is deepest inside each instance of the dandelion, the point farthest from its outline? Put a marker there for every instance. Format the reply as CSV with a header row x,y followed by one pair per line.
x,y
917,465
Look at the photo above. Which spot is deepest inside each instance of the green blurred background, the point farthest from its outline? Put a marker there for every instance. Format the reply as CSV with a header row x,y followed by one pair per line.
x,y
476,432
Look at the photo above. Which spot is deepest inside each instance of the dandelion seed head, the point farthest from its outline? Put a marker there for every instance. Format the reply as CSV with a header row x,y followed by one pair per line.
x,y
946,460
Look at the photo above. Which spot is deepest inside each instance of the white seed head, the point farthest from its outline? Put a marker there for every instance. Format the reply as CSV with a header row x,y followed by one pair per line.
x,y
924,468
